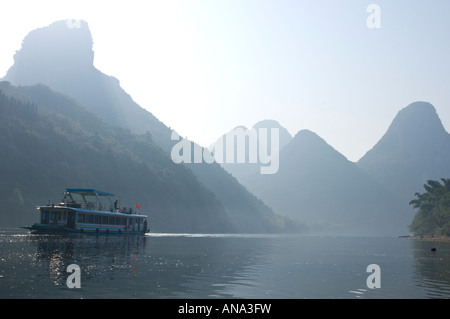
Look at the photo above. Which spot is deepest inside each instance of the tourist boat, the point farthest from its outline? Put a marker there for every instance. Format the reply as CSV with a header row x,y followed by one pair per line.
x,y
89,211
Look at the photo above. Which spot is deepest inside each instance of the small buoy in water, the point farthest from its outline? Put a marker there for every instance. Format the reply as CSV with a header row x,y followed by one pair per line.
x,y
433,249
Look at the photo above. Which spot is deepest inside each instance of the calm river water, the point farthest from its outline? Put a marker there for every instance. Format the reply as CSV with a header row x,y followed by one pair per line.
x,y
220,266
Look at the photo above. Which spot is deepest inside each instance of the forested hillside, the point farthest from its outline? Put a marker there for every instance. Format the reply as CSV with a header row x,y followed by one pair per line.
x,y
56,143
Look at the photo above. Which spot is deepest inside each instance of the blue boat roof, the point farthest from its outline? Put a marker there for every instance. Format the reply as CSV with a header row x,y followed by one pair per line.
x,y
84,191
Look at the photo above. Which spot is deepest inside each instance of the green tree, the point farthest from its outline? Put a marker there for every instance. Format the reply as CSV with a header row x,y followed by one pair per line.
x,y
433,215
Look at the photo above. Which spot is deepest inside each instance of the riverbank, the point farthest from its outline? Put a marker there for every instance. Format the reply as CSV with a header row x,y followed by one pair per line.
x,y
429,238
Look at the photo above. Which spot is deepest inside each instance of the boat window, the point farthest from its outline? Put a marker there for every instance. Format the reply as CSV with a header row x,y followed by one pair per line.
x,y
97,219
90,219
104,220
45,216
81,218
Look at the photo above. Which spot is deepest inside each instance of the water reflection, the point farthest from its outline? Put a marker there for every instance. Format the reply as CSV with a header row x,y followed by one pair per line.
x,y
432,267
99,257
220,266
142,266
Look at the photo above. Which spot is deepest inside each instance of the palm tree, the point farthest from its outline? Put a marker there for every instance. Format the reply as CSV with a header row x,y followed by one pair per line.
x,y
433,214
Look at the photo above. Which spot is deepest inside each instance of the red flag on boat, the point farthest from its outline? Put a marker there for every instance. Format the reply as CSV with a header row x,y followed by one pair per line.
x,y
138,206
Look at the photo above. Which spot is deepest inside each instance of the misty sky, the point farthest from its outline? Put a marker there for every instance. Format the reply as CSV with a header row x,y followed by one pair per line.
x,y
205,66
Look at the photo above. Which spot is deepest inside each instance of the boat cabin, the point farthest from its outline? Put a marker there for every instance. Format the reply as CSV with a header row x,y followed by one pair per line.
x,y
89,210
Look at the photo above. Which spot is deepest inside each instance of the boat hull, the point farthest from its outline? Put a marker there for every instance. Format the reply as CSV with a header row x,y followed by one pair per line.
x,y
38,228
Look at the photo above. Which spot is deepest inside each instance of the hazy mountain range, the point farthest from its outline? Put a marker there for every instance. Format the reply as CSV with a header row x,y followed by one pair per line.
x,y
318,185
66,124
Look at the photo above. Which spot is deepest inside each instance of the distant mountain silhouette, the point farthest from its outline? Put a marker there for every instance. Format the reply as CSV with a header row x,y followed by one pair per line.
x,y
414,149
285,136
319,186
61,57
243,171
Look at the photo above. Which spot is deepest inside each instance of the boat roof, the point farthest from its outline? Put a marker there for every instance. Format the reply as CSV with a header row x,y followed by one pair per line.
x,y
85,192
